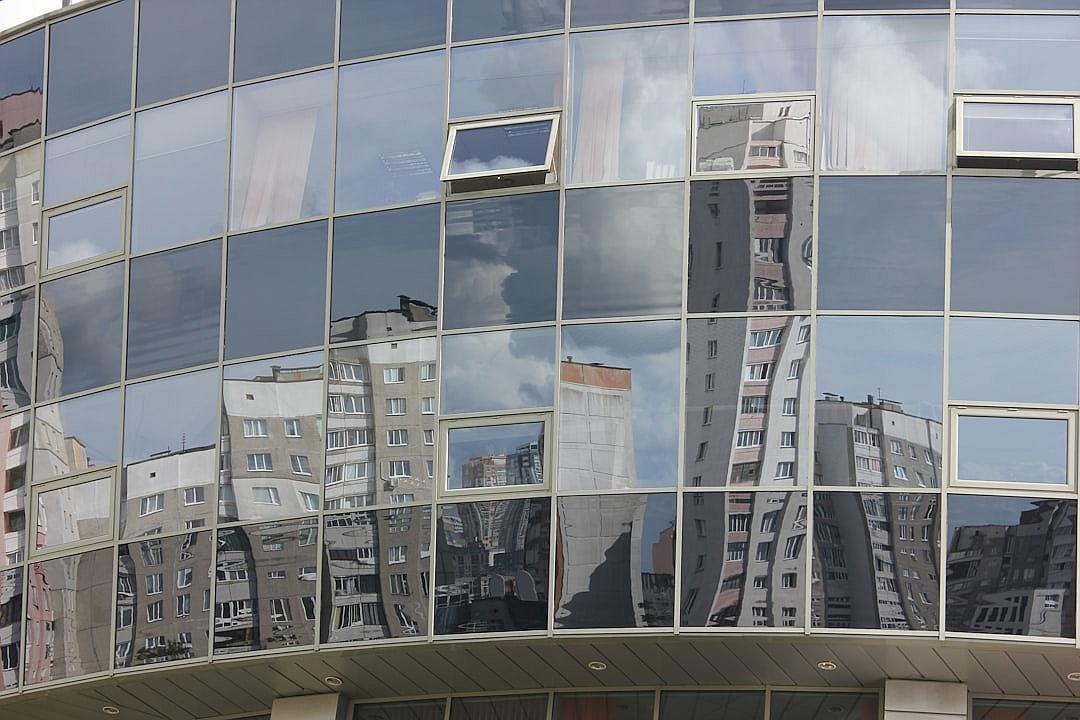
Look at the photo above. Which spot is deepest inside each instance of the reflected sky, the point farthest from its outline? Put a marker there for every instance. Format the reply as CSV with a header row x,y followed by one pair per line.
x,y
506,77
85,233
198,31
1024,450
497,441
754,56
503,370
500,147
476,19
975,510
169,414
87,161
374,27
91,422
1017,52
275,36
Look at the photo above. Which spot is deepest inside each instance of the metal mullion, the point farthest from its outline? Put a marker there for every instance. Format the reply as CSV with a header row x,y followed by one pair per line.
x,y
296,222
495,328
350,344
488,120
157,104
506,38
175,246
86,125
29,145
706,19
386,56
340,214
283,75
233,362
665,317
624,25
673,180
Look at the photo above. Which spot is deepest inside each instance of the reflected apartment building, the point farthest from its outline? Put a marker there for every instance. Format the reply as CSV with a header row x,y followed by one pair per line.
x,y
20,213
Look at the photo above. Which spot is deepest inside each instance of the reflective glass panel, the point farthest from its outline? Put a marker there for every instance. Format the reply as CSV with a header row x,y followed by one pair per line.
x,y
884,104
623,251
20,210
14,455
183,47
501,147
491,456
11,600
619,406
1019,5
877,558
87,161
174,309
380,444
491,566
755,56
717,8
412,710
881,243
1018,127
743,563
886,4
276,36
615,561
90,65
170,457
476,19
517,368
996,709
1017,52
698,705
750,245
20,86
501,260
70,619
77,434
178,188
747,402
277,275
266,588
1006,360
163,579
604,12
385,274
86,233
1004,231
377,564
604,706
17,350
390,131
281,150
1011,566
506,77
753,136
525,707
1013,450
74,514
628,104
271,438
823,706
376,27
81,323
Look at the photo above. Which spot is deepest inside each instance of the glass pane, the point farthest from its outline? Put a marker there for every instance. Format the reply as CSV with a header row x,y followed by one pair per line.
x,y
11,593
1019,5
717,8
704,705
500,147
748,402
619,406
76,435
501,260
20,203
271,438
823,706
604,12
1018,127
1004,230
505,370
881,243
523,707
380,446
477,19
862,583
743,565
86,233
158,579
506,77
604,706
76,592
74,514
17,349
178,189
15,450
276,36
390,131
491,566
363,561
20,115
170,457
90,66
87,162
1011,568
376,27
628,105
886,4
266,572
385,274
892,113
1017,52
281,150
616,562
174,310
753,136
995,708
1005,360
412,710
81,323
1015,450
259,317
623,251
492,456
750,245
755,56
183,47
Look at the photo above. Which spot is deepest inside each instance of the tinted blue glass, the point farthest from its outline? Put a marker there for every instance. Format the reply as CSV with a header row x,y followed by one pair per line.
x,y
886,4
502,147
20,87
275,36
605,12
517,367
718,8
754,56
506,77
183,47
476,19
375,27
87,161
1017,52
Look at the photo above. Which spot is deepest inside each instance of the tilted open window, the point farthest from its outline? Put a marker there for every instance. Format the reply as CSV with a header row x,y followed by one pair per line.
x,y
508,152
1022,133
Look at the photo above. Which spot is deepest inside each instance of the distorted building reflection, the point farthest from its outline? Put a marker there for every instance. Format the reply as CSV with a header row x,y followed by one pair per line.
x,y
14,453
491,569
16,347
743,563
596,438
754,136
875,561
11,615
20,214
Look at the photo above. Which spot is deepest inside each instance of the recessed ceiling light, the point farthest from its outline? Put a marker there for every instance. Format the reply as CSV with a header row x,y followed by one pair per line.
x,y
597,666
333,681
1073,676
827,665
110,709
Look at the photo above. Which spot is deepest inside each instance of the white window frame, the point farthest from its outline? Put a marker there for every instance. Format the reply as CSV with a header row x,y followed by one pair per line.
x,y
701,102
443,447
962,102
548,165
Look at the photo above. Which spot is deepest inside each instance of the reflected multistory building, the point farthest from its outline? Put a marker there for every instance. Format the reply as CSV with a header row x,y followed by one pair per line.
x,y
410,316
14,453
20,212
754,136
596,434
169,491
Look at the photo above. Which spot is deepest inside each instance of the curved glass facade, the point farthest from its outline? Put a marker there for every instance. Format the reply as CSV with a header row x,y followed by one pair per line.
x,y
346,323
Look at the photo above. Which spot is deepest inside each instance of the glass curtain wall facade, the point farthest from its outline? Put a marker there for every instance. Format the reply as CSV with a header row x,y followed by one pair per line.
x,y
370,322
